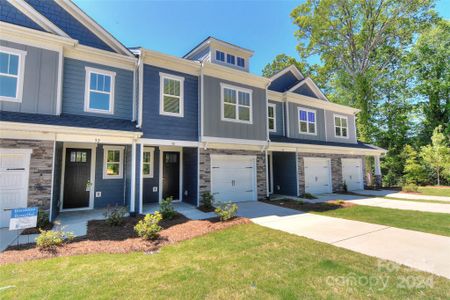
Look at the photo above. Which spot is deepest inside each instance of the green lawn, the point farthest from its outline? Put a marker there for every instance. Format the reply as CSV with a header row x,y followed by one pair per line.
x,y
246,261
418,200
415,220
428,190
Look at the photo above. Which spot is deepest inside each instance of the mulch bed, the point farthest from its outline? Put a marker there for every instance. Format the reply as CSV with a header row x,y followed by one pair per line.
x,y
35,230
102,238
307,207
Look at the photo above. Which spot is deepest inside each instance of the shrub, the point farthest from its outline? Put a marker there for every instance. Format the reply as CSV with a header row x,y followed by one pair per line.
x,y
114,216
43,220
344,186
166,208
49,239
410,188
226,211
207,201
148,227
307,196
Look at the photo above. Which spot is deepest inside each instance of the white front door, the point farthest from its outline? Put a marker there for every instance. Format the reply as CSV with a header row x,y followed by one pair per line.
x,y
233,178
352,173
317,175
14,173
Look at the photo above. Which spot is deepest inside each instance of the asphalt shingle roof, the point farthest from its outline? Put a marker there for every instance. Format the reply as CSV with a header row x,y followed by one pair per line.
x,y
358,145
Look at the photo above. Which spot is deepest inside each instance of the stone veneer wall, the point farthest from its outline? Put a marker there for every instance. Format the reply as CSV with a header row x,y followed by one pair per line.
x,y
336,169
40,182
205,168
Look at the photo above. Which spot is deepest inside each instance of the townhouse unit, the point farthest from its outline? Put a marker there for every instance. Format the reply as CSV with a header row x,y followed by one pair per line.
x,y
86,122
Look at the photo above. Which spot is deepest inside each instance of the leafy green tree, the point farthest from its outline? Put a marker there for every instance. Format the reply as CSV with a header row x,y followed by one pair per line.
x,y
437,155
430,64
414,170
281,62
356,40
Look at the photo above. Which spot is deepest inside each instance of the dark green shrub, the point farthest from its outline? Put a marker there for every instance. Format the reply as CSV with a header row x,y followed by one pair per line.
x,y
115,215
49,239
307,196
344,186
207,200
148,228
166,208
410,188
226,211
43,220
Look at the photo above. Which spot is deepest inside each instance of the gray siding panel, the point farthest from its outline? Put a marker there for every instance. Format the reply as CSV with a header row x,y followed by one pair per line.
x,y
329,116
74,89
279,113
215,127
293,123
40,81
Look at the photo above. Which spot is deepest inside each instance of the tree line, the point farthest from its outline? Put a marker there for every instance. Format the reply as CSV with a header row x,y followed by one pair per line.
x,y
390,59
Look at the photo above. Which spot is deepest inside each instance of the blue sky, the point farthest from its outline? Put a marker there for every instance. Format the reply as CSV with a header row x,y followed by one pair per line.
x,y
175,27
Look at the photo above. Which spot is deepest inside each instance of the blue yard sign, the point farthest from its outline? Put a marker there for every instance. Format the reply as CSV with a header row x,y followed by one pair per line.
x,y
22,218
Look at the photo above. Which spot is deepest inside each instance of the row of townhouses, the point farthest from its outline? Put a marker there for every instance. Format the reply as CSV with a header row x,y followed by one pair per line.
x,y
86,122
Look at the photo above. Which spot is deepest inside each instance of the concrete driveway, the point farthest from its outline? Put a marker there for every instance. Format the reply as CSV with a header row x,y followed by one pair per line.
x,y
400,195
423,251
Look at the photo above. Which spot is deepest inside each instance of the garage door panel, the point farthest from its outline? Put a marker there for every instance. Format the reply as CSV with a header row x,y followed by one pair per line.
x,y
317,175
352,173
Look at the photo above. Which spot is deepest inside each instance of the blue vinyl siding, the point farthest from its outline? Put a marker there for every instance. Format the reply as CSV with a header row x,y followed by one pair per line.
x,y
305,90
57,169
190,165
61,18
158,126
10,14
113,190
74,89
284,82
284,173
148,195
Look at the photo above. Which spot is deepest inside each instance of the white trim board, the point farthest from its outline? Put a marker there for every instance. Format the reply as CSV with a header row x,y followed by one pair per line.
x,y
161,169
20,73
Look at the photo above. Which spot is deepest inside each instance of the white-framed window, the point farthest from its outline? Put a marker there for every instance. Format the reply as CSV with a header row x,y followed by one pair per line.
x,y
272,117
340,126
148,162
171,102
307,121
220,55
236,104
112,162
99,91
12,69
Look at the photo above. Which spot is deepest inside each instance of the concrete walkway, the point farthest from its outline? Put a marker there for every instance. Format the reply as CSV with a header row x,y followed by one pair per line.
x,y
386,203
422,251
400,195
188,210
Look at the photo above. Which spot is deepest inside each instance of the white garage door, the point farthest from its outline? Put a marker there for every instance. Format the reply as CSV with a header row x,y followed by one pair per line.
x,y
317,175
352,173
233,178
14,171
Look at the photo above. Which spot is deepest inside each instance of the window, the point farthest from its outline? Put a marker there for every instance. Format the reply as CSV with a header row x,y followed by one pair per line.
x,y
99,94
147,162
171,98
12,62
241,62
220,55
271,116
78,156
341,126
236,104
306,121
112,162
230,59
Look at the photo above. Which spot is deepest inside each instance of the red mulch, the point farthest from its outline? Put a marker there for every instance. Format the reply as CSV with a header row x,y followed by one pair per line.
x,y
102,238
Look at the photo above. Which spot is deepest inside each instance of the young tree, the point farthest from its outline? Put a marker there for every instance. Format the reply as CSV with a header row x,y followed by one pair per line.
x,y
414,171
356,40
437,155
281,62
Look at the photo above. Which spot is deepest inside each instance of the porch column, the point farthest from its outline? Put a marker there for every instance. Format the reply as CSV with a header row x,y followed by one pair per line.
x,y
133,178
377,171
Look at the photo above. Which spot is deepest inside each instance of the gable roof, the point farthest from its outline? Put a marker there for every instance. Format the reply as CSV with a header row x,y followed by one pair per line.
x,y
293,69
285,79
210,40
11,14
310,83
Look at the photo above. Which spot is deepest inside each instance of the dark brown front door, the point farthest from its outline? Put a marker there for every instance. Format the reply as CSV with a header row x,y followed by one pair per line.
x,y
77,175
171,175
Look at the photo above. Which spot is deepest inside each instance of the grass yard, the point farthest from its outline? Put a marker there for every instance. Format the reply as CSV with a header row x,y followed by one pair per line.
x,y
245,261
436,223
418,200
435,191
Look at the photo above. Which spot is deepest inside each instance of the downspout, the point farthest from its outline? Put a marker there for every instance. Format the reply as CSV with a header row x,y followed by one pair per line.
x,y
201,131
140,87
266,146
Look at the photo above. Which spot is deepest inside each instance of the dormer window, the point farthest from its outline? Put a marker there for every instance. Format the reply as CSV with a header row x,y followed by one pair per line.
x,y
241,62
220,55
230,59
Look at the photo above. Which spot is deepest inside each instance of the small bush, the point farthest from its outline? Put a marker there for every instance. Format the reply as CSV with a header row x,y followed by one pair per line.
x,y
301,202
207,201
43,220
49,239
410,188
226,211
344,186
166,208
148,227
307,196
114,216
